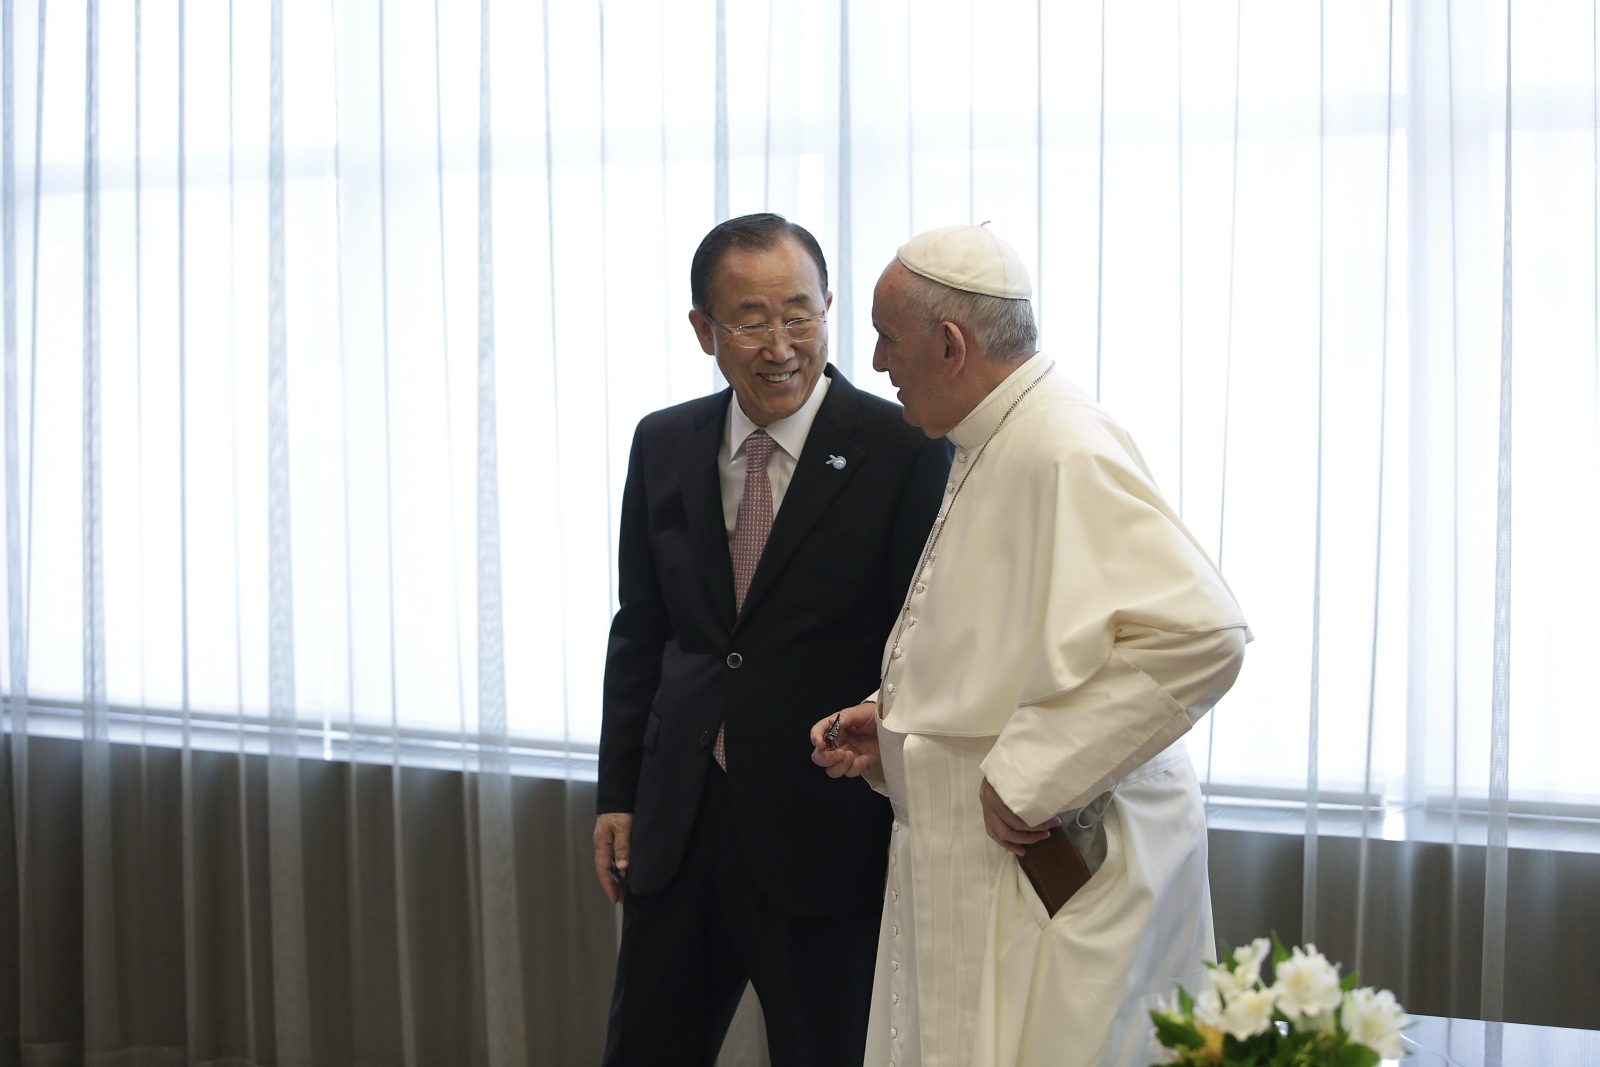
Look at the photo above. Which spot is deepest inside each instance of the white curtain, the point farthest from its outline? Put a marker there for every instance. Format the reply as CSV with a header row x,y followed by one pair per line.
x,y
328,323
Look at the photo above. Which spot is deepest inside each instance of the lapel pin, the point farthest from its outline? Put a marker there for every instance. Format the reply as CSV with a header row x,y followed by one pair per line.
x,y
836,462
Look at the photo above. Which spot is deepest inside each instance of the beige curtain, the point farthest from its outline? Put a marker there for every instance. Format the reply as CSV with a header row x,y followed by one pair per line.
x,y
326,324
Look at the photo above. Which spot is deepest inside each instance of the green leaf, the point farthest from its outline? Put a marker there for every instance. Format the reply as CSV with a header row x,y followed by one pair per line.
x,y
1185,1001
1252,1051
1227,953
1279,953
1353,1054
1350,981
1176,1033
1292,1053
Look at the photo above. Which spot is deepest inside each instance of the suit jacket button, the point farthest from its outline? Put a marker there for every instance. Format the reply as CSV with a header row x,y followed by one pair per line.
x,y
735,660
705,738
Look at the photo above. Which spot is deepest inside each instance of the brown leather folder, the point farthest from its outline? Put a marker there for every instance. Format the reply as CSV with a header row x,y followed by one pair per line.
x,y
1056,869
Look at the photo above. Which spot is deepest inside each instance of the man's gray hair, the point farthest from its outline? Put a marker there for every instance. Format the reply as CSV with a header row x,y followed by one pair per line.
x,y
1001,329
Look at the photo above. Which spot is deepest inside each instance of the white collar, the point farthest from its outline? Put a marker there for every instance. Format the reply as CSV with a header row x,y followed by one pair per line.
x,y
789,433
980,422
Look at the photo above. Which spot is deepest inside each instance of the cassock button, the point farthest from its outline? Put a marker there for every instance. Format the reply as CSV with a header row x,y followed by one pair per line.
x,y
894,998
889,689
897,930
896,654
893,1032
911,620
895,964
705,738
735,660
920,588
961,457
950,489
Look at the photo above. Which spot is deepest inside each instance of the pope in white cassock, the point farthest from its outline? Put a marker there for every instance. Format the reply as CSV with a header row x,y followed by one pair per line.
x,y
1062,633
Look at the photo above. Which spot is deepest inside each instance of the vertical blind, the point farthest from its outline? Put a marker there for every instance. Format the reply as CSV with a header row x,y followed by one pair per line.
x,y
1247,226
327,324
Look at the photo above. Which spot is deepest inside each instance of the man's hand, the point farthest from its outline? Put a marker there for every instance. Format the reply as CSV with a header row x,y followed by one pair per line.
x,y
1002,824
612,832
858,742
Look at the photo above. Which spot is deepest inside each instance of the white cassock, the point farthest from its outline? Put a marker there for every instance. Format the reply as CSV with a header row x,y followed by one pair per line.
x,y
1064,632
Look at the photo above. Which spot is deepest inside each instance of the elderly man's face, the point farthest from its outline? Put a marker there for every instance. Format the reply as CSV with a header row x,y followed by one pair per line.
x,y
910,353
773,286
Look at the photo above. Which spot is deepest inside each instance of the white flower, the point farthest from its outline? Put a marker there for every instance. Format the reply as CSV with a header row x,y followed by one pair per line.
x,y
1307,984
1208,1007
1247,1013
1218,979
1246,970
1224,981
1374,1019
1247,960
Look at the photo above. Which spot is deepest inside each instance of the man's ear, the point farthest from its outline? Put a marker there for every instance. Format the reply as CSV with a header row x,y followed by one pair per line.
x,y
955,350
703,330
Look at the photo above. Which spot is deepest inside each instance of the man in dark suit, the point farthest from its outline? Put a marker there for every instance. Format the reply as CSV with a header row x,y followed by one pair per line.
x,y
768,535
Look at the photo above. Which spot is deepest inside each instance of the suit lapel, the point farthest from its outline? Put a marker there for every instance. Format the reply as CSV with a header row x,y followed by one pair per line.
x,y
702,503
815,484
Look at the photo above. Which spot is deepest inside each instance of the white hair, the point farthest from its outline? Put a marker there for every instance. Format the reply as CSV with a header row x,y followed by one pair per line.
x,y
1002,329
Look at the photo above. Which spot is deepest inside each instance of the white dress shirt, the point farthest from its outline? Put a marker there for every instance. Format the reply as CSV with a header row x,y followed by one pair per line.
x,y
788,434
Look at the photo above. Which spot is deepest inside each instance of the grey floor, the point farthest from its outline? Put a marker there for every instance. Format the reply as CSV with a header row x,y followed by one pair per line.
x,y
746,1045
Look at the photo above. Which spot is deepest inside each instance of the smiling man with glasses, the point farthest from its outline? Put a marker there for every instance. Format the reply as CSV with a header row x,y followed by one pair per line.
x,y
774,367
768,535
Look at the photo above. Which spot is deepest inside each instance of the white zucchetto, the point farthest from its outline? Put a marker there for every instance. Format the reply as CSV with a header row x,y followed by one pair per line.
x,y
970,258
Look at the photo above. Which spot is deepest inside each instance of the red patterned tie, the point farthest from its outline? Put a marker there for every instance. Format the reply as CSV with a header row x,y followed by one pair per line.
x,y
749,533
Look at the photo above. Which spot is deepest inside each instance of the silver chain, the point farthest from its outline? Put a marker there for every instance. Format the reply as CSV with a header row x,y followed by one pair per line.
x,y
938,526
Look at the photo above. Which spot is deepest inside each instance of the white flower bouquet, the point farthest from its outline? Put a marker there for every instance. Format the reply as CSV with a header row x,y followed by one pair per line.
x,y
1307,1017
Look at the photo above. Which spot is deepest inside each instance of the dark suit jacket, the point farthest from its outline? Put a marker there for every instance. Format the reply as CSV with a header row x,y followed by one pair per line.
x,y
809,642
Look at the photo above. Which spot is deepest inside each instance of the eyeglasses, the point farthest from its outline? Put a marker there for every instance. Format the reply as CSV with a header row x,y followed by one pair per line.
x,y
761,334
